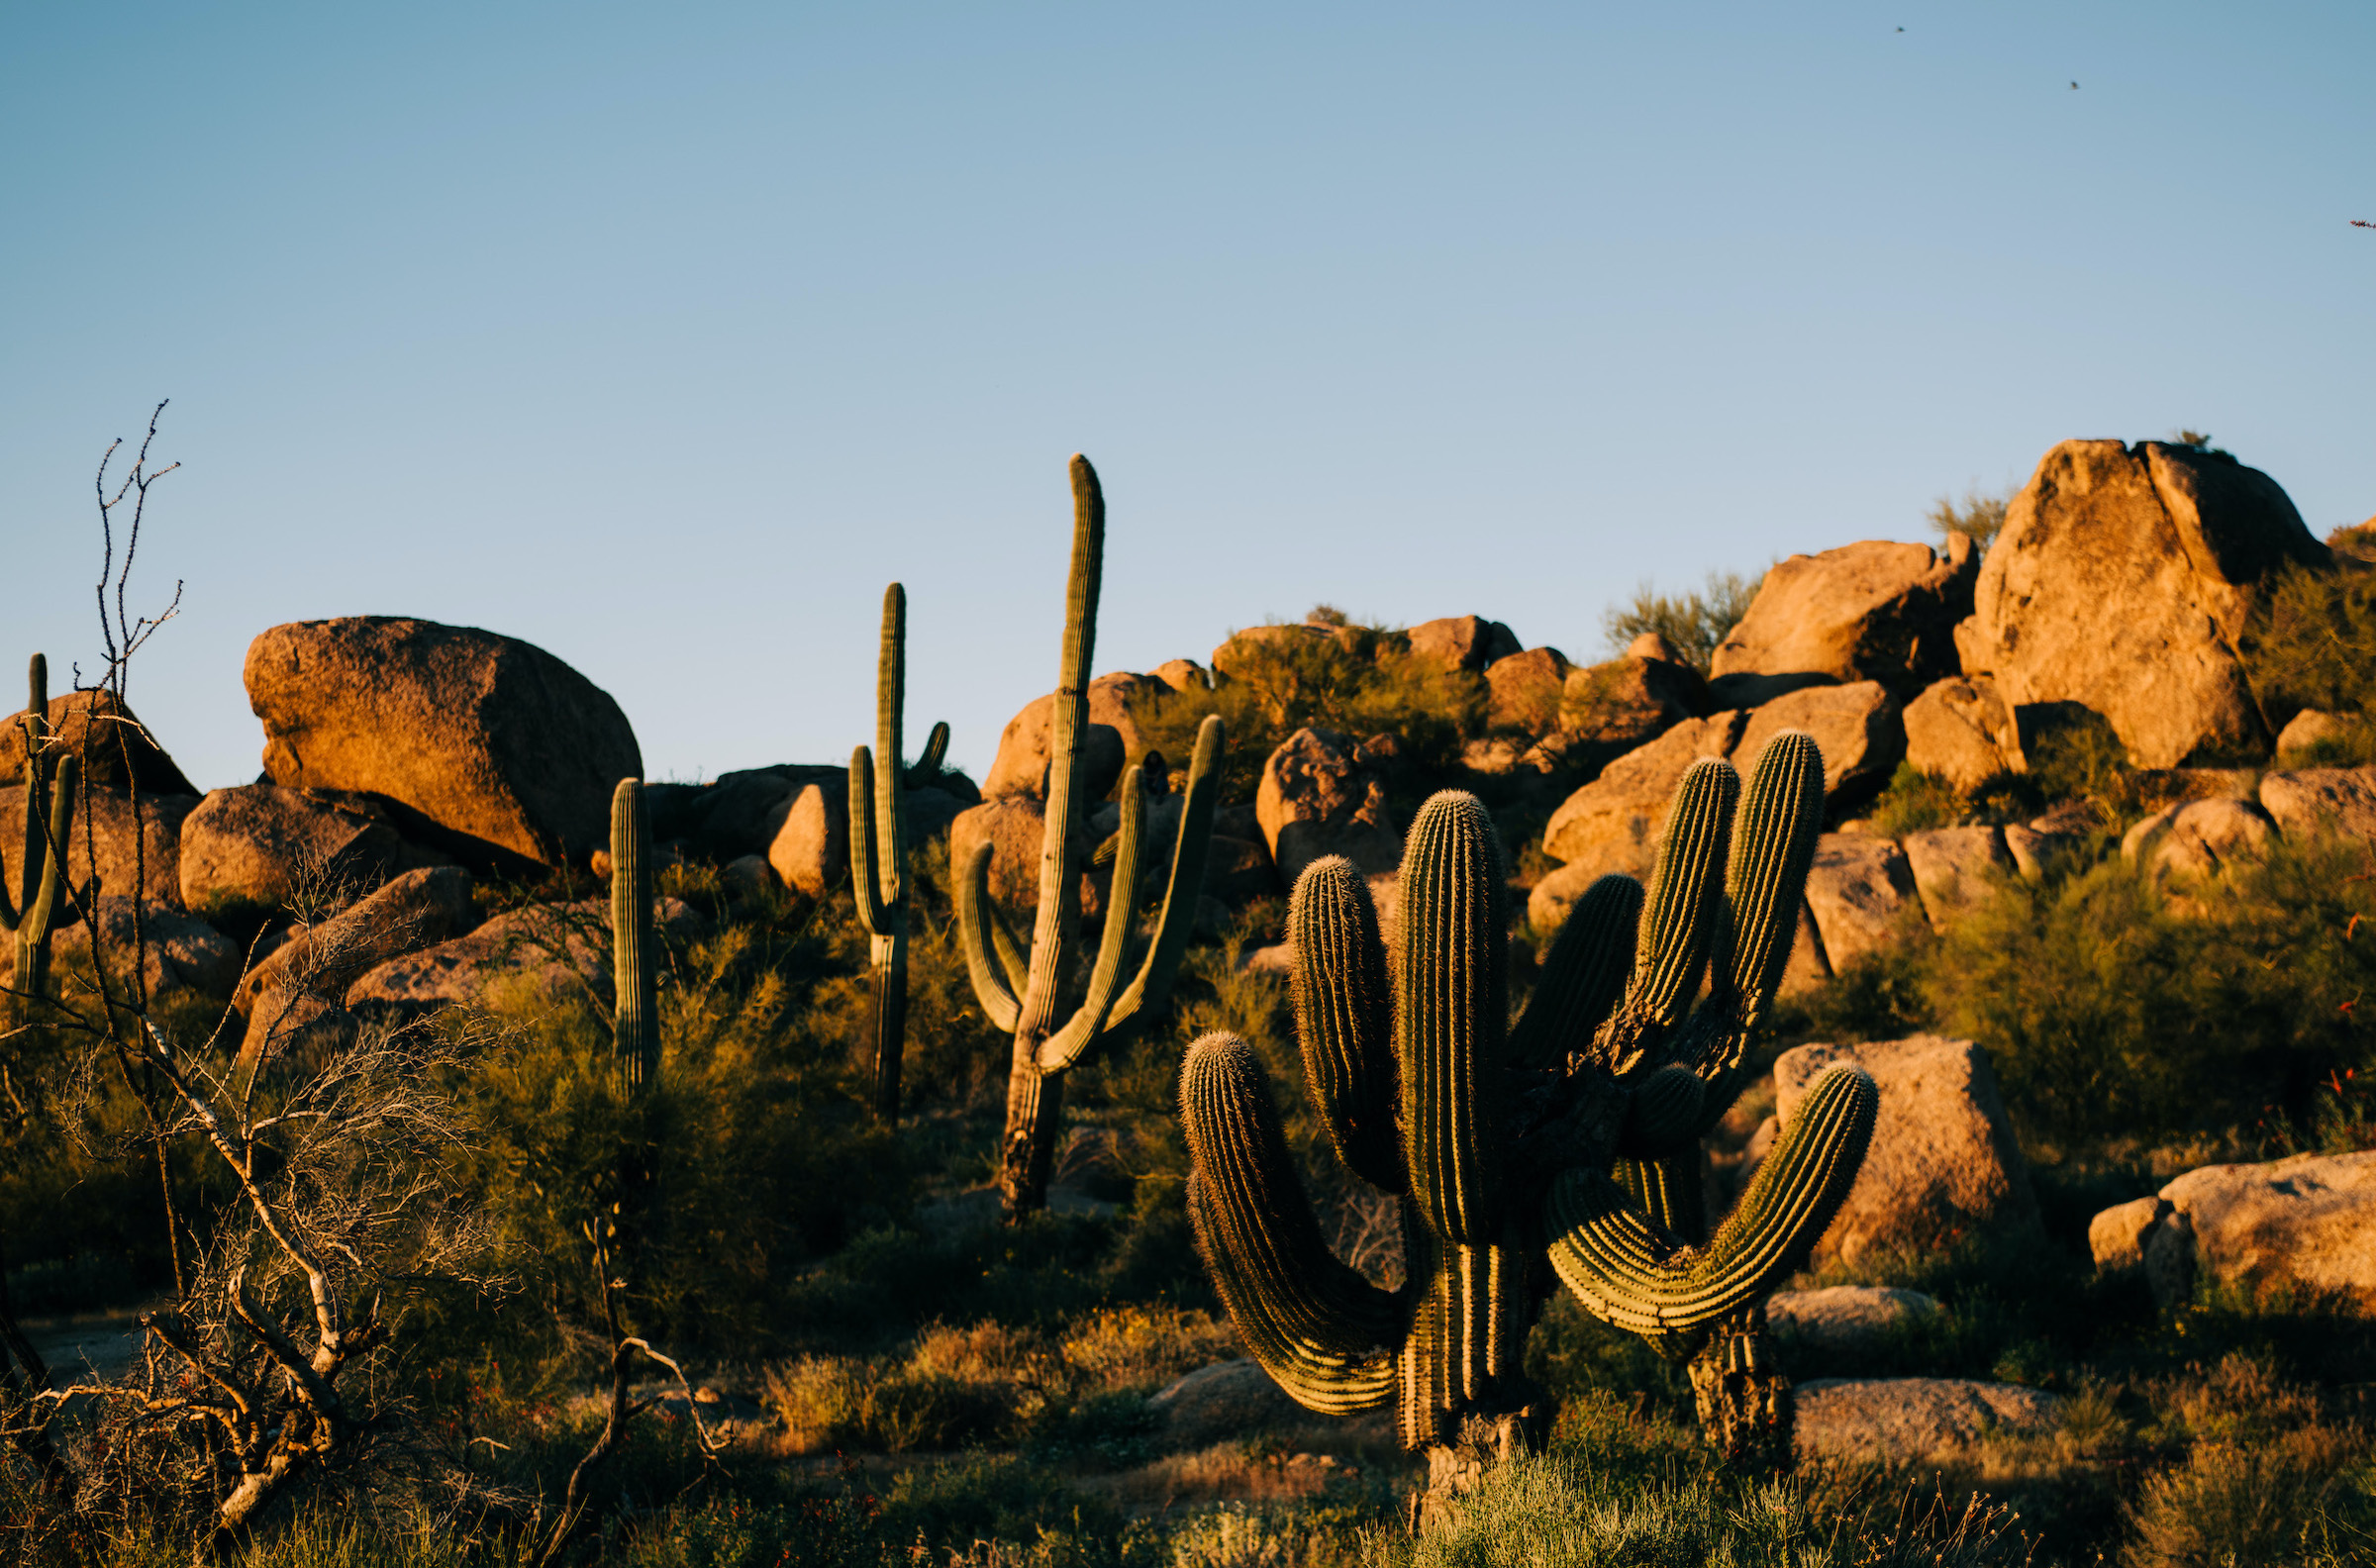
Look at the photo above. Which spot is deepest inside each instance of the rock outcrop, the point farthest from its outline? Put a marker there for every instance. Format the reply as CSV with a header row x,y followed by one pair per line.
x,y
2303,1227
488,748
2121,584
1960,730
1613,822
1111,741
1867,612
1629,702
1954,868
116,751
1942,1159
1845,1319
1230,1399
258,846
298,992
1861,893
108,853
1912,1419
1855,727
1323,794
180,954
1466,643
2199,838
1526,690
554,952
808,838
2320,801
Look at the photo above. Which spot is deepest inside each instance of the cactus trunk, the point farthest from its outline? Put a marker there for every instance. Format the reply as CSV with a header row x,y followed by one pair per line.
x,y
635,1022
878,848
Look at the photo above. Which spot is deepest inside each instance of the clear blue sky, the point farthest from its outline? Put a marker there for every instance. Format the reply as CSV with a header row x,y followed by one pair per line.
x,y
664,335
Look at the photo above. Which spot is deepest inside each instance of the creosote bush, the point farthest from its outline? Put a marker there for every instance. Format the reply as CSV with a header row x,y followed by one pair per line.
x,y
1695,620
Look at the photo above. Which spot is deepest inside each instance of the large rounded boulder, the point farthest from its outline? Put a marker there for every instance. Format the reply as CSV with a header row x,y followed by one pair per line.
x,y
487,747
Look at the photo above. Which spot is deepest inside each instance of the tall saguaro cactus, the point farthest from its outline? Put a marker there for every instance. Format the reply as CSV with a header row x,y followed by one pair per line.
x,y
1500,1139
49,784
1019,990
879,848
635,1025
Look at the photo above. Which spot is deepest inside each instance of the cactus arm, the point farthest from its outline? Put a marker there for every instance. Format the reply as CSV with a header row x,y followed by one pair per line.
x,y
1344,1018
935,752
1773,845
33,727
1678,920
1321,1331
636,1024
1064,1047
874,907
1011,956
1639,1276
1583,975
1151,989
31,933
1669,1192
1663,1111
977,926
1059,897
1452,1015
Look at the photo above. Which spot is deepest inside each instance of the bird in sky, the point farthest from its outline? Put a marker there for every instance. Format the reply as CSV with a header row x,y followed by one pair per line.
x,y
2074,86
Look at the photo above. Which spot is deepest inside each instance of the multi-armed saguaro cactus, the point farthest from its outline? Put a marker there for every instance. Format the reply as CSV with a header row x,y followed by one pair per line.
x,y
1018,990
48,815
1499,1139
878,848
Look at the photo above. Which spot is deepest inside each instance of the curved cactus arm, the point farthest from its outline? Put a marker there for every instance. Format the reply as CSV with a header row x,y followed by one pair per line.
x,y
1773,845
1068,718
1344,1018
1064,1047
30,931
1669,1192
1583,975
1451,1014
1639,1276
977,920
1679,917
1151,989
635,1022
865,878
927,767
1664,1113
1326,1333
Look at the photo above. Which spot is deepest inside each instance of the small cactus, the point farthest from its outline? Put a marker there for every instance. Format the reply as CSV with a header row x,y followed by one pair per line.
x,y
1017,987
1501,1139
878,849
636,1021
49,786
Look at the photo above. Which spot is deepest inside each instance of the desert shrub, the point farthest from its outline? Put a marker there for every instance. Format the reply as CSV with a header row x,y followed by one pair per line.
x,y
1695,620
2110,1007
1360,680
1915,801
1980,512
2312,643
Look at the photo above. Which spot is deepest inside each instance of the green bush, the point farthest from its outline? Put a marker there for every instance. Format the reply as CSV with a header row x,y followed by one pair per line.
x,y
2312,643
1915,800
1981,514
1694,621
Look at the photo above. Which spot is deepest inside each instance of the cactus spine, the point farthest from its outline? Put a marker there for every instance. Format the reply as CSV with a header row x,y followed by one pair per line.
x,y
635,1022
1017,987
879,848
49,819
1501,1139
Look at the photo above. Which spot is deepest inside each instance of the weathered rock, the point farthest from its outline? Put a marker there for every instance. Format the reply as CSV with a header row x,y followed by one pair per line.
x,y
1862,894
1855,727
747,877
1183,674
1555,895
1526,690
2304,1226
2311,727
1961,731
1249,646
1873,611
258,846
1901,1420
1016,827
2121,583
1845,1319
1111,740
1613,822
1468,643
1629,701
1317,797
180,954
1942,1159
1953,868
2316,802
2033,853
116,751
552,952
106,846
1240,870
307,977
489,748
739,812
808,839
1809,966
2199,838
1230,1399
1654,646
1746,691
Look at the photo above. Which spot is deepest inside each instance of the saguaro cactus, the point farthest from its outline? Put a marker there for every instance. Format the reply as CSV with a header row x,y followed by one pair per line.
x,y
878,848
1499,1139
636,1024
48,817
1019,991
